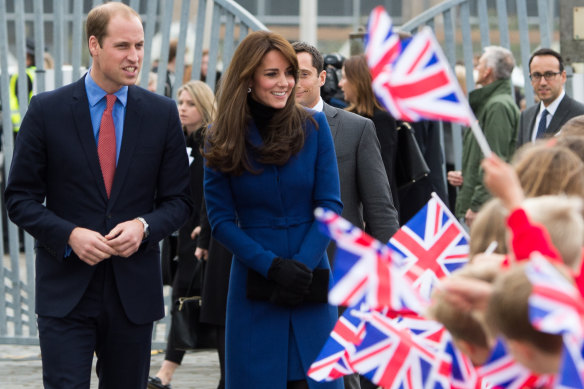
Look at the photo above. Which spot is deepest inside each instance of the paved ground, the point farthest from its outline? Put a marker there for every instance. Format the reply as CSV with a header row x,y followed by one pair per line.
x,y
20,367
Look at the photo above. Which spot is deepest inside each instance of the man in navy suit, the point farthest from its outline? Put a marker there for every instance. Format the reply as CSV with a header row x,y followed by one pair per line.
x,y
548,76
98,282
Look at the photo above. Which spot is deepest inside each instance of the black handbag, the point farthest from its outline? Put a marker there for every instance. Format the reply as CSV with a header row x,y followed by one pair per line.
x,y
410,163
187,332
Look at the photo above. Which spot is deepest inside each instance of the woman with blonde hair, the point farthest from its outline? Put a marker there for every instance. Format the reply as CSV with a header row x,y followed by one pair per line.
x,y
196,109
269,164
356,85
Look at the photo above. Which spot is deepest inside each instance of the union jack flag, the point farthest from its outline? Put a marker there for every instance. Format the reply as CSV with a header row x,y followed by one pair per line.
x,y
412,78
555,305
364,268
433,245
392,356
463,374
333,361
571,374
501,371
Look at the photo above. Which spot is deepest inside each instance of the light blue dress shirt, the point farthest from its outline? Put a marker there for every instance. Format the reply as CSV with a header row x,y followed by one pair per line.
x,y
97,104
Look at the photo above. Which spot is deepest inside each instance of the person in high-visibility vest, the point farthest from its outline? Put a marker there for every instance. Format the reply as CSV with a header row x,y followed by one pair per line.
x,y
30,72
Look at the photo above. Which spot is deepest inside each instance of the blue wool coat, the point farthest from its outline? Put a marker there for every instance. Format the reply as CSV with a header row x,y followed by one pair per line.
x,y
262,216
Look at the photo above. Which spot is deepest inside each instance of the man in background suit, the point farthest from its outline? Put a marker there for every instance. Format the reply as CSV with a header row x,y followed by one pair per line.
x,y
367,201
548,76
108,204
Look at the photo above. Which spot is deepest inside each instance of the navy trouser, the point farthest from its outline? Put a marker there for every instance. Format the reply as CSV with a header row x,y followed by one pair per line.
x,y
97,324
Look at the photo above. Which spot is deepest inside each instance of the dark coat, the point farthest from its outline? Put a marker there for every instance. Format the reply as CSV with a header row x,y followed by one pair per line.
x,y
386,130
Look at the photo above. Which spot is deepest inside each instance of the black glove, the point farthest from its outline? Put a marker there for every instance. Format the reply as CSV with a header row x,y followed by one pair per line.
x,y
291,274
284,296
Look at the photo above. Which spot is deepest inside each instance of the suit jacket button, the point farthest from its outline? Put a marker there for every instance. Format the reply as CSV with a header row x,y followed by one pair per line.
x,y
109,215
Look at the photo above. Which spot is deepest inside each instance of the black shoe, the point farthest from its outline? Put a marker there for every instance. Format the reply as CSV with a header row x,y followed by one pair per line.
x,y
155,383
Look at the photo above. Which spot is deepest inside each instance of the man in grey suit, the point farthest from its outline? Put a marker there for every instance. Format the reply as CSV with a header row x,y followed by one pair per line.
x,y
548,76
367,201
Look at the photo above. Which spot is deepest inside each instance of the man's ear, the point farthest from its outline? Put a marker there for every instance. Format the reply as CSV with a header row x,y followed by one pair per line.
x,y
322,77
93,45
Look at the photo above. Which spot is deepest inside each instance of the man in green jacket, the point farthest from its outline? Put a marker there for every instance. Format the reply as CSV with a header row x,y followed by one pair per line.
x,y
498,116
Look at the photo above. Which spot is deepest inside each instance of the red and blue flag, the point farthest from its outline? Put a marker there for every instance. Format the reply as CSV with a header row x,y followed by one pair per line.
x,y
412,77
433,244
555,304
364,268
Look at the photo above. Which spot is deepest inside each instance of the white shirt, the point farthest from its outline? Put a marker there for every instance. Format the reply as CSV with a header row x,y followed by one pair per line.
x,y
319,106
551,111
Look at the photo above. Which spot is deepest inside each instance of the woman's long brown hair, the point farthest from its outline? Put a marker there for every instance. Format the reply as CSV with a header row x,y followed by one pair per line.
x,y
358,74
227,148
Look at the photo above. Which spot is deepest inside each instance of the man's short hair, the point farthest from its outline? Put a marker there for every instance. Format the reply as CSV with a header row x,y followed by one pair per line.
x,y
99,17
546,51
500,60
317,59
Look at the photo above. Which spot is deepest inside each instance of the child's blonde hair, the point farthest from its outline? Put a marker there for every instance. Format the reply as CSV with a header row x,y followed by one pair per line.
x,y
489,226
545,170
562,218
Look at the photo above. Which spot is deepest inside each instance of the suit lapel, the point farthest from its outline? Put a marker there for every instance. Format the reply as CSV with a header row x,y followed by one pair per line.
x,y
333,122
83,126
559,115
132,124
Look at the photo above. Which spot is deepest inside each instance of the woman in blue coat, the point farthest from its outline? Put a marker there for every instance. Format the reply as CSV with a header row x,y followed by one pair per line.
x,y
269,164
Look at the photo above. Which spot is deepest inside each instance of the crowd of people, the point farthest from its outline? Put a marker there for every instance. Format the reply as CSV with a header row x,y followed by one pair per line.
x,y
100,175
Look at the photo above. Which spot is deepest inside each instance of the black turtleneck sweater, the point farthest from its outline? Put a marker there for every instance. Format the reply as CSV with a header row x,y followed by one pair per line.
x,y
261,114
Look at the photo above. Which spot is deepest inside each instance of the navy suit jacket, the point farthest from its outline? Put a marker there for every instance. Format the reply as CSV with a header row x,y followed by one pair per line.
x,y
567,109
55,160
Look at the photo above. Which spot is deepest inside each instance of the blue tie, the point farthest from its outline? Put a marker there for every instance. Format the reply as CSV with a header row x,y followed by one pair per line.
x,y
542,124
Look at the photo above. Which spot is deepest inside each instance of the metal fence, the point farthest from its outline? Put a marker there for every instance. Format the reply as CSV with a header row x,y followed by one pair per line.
x,y
223,23
219,24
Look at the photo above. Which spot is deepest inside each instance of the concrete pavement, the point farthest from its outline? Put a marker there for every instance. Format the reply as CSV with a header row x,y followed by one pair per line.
x,y
20,367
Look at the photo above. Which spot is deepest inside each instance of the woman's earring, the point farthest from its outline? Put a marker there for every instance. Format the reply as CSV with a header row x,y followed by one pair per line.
x,y
248,90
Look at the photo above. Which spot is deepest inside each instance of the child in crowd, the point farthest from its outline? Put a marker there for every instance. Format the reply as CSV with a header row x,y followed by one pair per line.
x,y
543,169
489,227
468,329
507,313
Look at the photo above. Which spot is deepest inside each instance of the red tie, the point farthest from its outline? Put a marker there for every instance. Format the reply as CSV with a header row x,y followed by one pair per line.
x,y
106,145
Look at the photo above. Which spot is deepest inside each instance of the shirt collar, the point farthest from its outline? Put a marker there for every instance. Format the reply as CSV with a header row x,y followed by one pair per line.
x,y
319,106
553,106
95,93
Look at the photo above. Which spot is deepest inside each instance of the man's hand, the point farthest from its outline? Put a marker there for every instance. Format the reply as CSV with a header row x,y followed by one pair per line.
x,y
470,217
90,246
455,178
126,237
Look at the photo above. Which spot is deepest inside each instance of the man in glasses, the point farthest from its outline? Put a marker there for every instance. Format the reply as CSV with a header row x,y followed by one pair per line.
x,y
547,74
